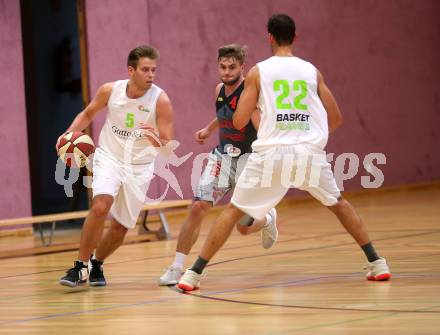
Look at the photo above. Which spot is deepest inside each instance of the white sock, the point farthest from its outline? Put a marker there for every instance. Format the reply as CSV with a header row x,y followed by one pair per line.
x,y
179,260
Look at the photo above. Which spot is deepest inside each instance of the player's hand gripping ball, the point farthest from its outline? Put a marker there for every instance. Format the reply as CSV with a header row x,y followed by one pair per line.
x,y
74,149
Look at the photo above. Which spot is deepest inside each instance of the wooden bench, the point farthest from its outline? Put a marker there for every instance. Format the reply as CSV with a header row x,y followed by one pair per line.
x,y
46,239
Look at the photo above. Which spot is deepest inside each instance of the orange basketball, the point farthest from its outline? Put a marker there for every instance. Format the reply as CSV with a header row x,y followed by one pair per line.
x,y
75,148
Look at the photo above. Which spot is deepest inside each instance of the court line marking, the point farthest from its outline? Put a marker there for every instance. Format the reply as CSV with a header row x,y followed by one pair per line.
x,y
180,295
308,280
316,248
425,232
89,311
149,302
300,306
343,322
172,255
149,258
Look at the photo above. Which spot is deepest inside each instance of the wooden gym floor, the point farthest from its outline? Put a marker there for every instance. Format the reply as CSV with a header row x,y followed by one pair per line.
x,y
310,282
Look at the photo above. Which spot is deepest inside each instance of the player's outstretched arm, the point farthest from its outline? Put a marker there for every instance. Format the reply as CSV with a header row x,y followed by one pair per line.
x,y
328,100
213,125
202,134
248,99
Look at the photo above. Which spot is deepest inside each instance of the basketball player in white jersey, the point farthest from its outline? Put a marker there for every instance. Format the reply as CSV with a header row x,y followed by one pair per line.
x,y
297,113
139,119
224,163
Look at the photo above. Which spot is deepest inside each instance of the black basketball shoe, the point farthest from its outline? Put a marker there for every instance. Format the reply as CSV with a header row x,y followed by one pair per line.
x,y
96,275
76,275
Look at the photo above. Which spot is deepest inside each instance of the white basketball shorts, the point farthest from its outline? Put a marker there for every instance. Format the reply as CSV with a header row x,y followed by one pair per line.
x,y
126,183
268,175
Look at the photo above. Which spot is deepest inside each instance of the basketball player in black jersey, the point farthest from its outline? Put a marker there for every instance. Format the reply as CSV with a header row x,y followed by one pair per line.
x,y
224,164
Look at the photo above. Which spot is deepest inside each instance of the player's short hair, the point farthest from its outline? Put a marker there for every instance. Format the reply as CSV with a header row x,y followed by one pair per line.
x,y
236,51
282,28
140,52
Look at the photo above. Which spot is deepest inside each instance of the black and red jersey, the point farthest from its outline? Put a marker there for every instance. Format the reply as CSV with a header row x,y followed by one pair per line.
x,y
231,140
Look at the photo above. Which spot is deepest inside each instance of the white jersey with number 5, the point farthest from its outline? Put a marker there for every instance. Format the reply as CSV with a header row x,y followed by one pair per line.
x,y
291,110
120,136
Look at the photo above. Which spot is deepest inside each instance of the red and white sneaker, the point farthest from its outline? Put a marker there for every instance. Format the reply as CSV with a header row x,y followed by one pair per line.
x,y
378,270
190,281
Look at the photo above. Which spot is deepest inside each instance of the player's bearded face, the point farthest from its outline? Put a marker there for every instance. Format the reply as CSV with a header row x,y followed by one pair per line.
x,y
230,70
143,75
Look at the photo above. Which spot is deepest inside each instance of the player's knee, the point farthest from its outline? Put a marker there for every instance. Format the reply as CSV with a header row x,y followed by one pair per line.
x,y
100,209
200,208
